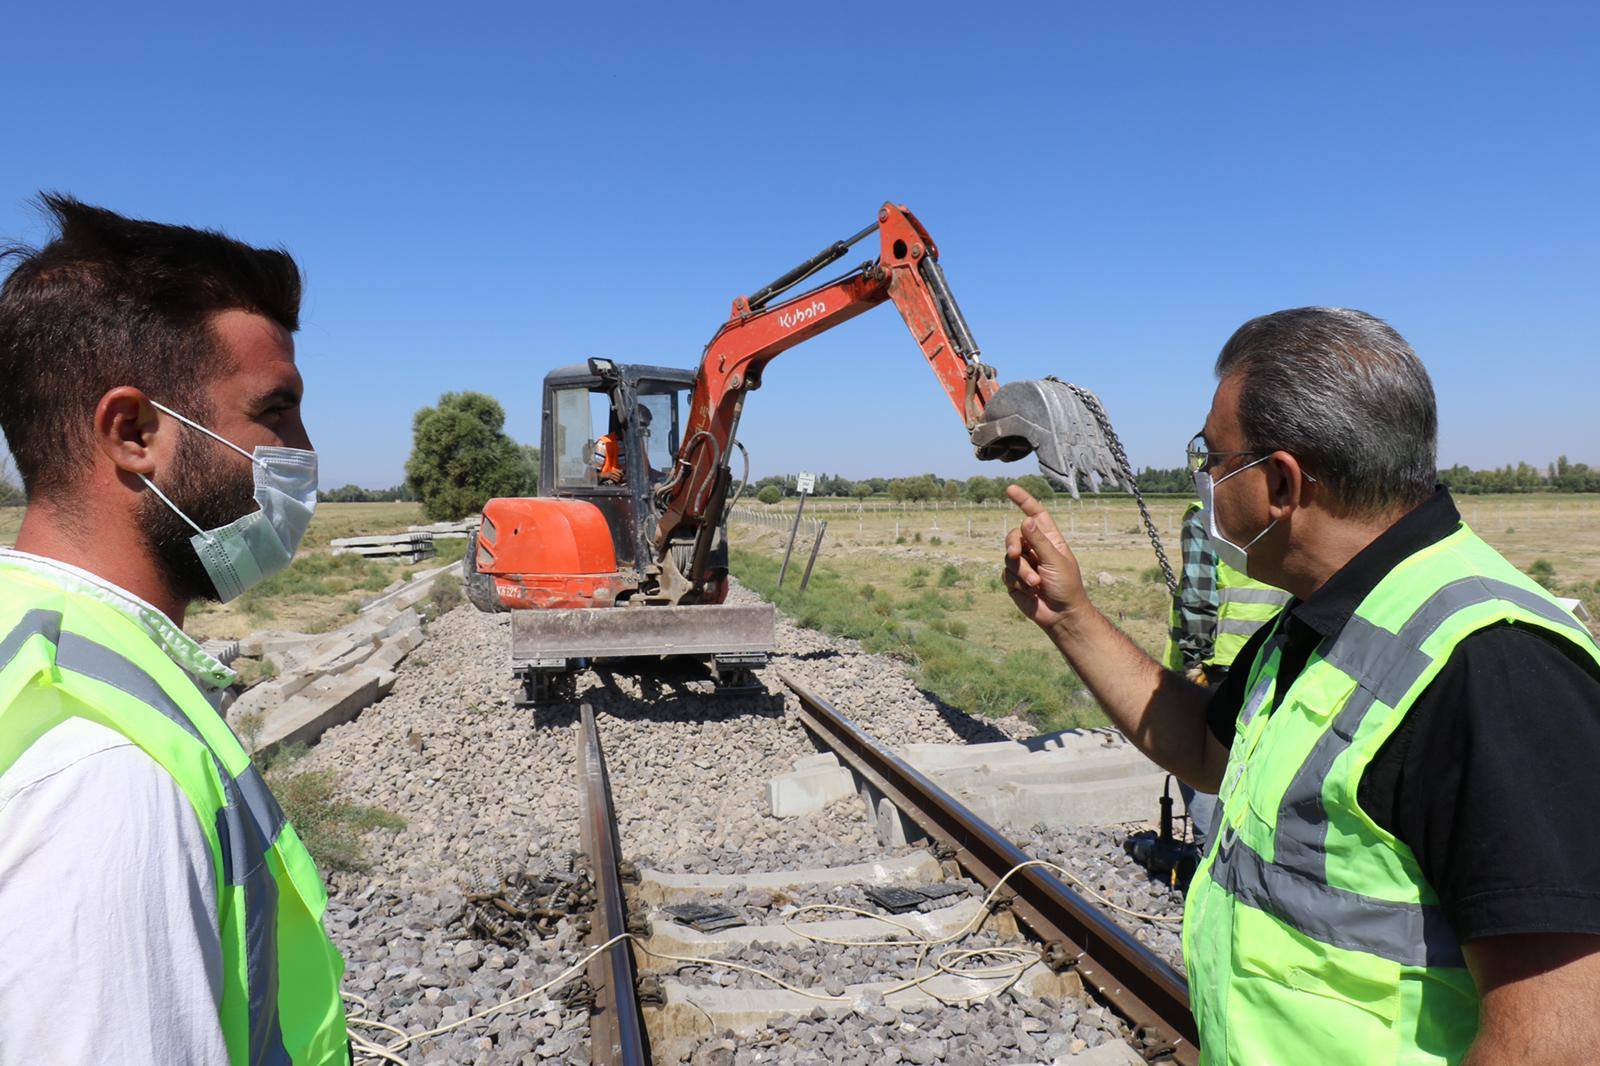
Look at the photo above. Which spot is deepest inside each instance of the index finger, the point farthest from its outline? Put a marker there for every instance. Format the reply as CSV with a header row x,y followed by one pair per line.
x,y
1021,497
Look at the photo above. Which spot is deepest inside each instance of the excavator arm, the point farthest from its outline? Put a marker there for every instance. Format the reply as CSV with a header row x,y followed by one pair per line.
x,y
1033,417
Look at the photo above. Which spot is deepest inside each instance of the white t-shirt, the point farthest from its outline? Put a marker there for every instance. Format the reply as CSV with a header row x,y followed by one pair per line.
x,y
109,950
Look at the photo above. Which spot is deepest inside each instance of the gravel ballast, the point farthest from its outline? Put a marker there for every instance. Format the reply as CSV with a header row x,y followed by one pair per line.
x,y
479,781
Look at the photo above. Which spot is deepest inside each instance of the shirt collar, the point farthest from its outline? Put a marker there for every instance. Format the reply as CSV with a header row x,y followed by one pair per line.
x,y
1330,607
178,645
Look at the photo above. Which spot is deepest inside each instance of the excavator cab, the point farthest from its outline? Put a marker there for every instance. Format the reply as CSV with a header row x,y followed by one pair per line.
x,y
607,437
640,409
586,542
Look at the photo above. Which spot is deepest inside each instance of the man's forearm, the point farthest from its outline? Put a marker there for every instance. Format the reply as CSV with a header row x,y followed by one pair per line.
x,y
1161,712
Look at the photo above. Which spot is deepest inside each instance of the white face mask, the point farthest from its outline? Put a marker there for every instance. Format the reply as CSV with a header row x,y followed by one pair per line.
x,y
1229,552
250,549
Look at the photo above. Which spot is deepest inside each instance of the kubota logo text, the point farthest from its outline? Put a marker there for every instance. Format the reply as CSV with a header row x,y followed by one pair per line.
x,y
804,314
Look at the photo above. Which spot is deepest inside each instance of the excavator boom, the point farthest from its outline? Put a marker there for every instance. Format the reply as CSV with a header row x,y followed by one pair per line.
x,y
1047,417
761,327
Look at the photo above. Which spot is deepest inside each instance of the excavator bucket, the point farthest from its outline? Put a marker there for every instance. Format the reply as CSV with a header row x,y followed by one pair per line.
x,y
1062,424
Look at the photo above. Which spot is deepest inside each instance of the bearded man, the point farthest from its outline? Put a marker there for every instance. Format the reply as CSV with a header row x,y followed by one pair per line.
x,y
155,905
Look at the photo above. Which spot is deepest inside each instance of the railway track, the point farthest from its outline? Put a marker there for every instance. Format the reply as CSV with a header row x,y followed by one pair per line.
x,y
642,1004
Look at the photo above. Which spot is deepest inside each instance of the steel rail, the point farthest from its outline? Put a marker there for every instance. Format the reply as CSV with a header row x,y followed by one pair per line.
x,y
1149,994
617,1035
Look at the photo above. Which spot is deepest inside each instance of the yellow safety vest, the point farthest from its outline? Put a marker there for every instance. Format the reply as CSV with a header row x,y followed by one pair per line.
x,y
65,655
1310,933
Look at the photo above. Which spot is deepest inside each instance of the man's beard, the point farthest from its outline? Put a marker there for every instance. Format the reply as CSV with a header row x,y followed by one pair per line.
x,y
211,497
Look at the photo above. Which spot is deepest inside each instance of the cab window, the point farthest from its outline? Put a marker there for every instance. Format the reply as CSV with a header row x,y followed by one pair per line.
x,y
661,444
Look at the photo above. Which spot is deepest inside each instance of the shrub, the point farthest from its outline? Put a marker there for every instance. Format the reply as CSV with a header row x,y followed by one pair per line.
x,y
446,594
1544,572
917,578
330,827
935,539
949,575
770,495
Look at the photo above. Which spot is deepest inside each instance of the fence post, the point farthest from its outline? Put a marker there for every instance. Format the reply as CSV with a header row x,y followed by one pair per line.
x,y
805,578
784,569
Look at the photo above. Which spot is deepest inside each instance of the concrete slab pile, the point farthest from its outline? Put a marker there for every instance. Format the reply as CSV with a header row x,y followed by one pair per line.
x,y
403,594
401,547
324,679
224,651
449,530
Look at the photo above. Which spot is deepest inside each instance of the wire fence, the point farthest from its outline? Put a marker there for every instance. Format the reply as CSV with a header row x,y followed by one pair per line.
x,y
1088,515
775,518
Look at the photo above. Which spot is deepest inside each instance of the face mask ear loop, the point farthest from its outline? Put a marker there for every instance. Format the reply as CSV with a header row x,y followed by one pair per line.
x,y
1230,473
152,486
192,424
1258,536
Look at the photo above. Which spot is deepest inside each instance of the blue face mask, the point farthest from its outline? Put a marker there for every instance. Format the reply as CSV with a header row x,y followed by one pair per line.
x,y
250,549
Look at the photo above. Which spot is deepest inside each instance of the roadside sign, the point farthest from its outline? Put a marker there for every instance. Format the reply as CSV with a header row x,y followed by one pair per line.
x,y
805,483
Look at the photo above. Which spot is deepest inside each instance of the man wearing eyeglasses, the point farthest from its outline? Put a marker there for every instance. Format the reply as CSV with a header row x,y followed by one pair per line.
x,y
1405,867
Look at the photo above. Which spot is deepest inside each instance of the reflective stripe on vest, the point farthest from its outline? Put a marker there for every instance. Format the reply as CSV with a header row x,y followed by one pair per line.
x,y
258,857
1255,594
1385,665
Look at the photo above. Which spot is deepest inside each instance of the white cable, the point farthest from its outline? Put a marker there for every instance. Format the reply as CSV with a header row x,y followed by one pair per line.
x,y
1008,974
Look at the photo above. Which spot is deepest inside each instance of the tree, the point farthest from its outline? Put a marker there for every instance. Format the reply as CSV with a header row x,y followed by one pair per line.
x,y
770,494
978,489
461,457
860,490
951,490
1036,486
530,469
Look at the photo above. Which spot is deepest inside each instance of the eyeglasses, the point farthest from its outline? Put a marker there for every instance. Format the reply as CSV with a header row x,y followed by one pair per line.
x,y
1201,457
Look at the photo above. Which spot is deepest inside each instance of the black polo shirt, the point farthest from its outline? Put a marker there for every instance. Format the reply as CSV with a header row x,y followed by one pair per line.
x,y
1493,778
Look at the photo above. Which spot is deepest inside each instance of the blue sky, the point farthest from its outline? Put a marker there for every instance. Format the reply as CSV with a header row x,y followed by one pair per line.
x,y
479,193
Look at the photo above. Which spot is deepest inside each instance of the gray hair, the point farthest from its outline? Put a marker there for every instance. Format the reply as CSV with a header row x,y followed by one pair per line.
x,y
1342,392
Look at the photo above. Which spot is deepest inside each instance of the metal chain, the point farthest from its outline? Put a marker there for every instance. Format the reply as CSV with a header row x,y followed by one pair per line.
x,y
1114,442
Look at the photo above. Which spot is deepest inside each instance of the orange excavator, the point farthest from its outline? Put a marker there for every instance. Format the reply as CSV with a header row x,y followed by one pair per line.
x,y
621,562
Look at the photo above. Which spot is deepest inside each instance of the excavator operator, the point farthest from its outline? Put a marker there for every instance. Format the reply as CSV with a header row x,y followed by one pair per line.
x,y
608,451
608,458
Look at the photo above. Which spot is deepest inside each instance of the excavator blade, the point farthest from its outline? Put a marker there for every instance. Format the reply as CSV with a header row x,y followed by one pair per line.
x,y
622,632
1048,419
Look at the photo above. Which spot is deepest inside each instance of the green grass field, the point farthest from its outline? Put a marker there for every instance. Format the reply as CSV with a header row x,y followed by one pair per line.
x,y
923,584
